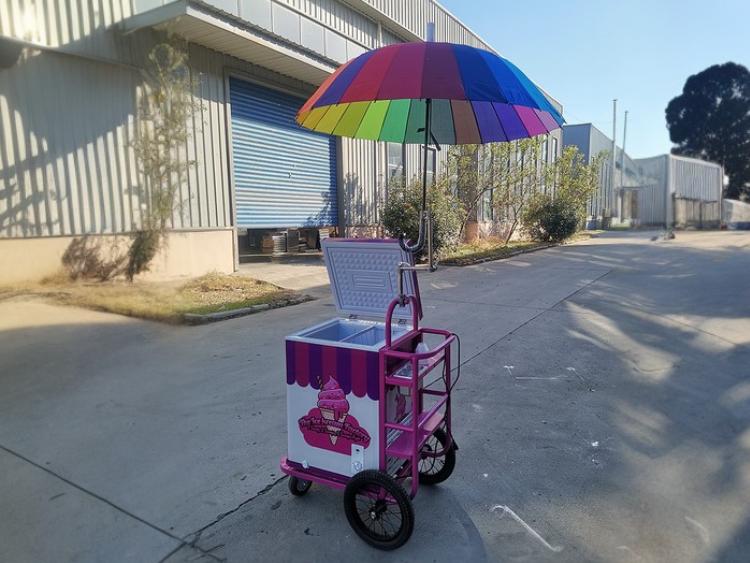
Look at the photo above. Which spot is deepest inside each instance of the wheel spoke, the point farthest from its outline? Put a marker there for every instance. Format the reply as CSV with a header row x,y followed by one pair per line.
x,y
396,527
391,529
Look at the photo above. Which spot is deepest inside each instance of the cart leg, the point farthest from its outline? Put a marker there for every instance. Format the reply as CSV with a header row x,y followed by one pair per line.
x,y
448,368
415,410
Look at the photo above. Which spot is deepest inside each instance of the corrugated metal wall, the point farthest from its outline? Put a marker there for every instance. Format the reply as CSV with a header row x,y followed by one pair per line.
x,y
684,179
76,25
64,163
694,179
650,206
652,190
414,15
66,166
337,15
389,38
592,142
360,181
735,214
411,14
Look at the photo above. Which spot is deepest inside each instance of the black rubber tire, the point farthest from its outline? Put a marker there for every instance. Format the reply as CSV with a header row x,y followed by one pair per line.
x,y
299,487
449,461
371,478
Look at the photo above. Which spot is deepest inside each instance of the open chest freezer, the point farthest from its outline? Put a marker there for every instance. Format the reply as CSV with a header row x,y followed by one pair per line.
x,y
333,383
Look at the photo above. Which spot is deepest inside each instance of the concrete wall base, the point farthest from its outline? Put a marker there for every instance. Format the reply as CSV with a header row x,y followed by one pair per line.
x,y
364,231
736,214
186,254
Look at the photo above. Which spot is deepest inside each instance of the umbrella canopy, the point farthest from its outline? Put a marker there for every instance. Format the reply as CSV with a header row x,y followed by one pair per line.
x,y
476,96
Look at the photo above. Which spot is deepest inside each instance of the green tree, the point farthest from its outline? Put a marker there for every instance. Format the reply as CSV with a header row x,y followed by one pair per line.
x,y
515,172
558,215
575,181
463,175
165,107
711,120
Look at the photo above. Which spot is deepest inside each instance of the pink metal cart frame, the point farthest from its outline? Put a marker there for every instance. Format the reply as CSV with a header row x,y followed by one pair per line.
x,y
361,414
413,436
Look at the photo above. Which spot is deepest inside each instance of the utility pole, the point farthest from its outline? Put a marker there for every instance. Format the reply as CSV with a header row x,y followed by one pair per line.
x,y
622,166
613,159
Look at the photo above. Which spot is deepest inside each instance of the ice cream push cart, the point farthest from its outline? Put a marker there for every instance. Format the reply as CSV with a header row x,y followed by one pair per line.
x,y
361,416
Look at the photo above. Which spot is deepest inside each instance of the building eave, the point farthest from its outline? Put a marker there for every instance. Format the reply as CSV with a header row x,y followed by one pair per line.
x,y
203,25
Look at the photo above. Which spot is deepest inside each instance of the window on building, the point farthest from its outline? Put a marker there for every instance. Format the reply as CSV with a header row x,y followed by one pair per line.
x,y
487,212
543,161
431,163
553,150
396,172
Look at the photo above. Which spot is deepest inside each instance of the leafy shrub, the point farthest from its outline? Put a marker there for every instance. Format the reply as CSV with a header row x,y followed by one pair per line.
x,y
550,220
401,214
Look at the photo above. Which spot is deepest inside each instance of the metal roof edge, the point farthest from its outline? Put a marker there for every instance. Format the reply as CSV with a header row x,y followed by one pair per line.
x,y
203,10
198,8
155,16
693,159
224,22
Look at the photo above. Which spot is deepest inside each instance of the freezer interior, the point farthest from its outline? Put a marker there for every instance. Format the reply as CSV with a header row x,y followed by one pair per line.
x,y
351,333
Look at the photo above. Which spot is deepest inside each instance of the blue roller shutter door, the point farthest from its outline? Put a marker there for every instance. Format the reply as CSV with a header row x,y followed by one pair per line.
x,y
284,176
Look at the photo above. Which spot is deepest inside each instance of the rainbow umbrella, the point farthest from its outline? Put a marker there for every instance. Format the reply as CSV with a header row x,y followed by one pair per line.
x,y
429,93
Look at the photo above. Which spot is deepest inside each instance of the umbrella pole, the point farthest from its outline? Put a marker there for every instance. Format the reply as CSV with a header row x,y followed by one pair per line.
x,y
428,123
424,213
426,218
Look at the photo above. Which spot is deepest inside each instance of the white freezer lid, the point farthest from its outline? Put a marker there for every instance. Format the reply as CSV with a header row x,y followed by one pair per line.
x,y
364,276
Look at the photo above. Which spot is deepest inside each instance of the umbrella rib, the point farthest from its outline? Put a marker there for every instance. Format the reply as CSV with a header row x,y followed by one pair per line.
x,y
520,120
500,122
451,76
322,117
361,119
343,113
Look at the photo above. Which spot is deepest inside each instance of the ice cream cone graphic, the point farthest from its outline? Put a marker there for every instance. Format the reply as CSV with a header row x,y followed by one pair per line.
x,y
333,407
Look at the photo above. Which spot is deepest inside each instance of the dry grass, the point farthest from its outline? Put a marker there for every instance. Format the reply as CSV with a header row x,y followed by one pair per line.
x,y
160,301
494,249
585,235
487,249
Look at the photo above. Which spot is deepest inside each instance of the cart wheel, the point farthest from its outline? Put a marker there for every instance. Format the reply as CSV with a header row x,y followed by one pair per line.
x,y
379,509
434,470
299,487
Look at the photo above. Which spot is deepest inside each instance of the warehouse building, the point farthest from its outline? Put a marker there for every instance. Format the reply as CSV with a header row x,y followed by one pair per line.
x,y
665,190
70,75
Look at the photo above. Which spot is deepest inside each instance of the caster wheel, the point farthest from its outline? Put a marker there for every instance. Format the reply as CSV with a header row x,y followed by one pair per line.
x,y
299,487
436,469
378,509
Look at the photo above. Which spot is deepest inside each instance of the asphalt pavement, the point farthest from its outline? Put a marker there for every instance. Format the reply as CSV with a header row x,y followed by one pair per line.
x,y
603,414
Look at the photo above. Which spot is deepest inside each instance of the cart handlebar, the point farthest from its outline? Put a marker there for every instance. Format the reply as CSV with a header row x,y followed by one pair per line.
x,y
401,301
418,356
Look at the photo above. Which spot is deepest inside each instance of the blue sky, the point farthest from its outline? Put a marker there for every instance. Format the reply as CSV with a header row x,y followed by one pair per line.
x,y
587,52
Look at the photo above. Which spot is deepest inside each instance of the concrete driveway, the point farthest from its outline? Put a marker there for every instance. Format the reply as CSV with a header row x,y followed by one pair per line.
x,y
603,414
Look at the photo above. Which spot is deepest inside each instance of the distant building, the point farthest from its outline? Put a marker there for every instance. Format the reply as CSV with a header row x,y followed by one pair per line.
x,y
664,190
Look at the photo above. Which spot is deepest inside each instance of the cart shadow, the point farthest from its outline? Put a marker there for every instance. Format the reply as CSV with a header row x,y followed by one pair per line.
x,y
280,527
